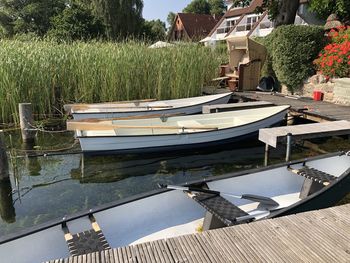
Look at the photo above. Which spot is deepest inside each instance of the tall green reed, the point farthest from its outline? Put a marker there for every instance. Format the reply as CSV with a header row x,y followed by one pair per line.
x,y
49,74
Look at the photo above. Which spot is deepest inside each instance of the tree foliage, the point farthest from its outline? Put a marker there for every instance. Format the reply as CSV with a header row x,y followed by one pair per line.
x,y
122,18
197,7
76,22
154,30
217,7
24,16
170,18
323,8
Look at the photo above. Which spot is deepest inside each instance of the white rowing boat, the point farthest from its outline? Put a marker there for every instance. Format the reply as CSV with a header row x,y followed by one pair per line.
x,y
173,133
277,190
144,107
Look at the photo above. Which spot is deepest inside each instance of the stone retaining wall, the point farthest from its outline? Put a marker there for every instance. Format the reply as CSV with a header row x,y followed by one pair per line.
x,y
342,91
335,90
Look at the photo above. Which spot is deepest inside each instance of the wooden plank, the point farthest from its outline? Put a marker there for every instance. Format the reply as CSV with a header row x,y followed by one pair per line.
x,y
311,241
294,243
271,136
176,250
72,126
230,245
235,106
69,107
316,236
210,249
324,110
162,250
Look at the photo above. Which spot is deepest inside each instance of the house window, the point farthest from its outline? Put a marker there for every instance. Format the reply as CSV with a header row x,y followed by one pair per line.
x,y
251,22
227,27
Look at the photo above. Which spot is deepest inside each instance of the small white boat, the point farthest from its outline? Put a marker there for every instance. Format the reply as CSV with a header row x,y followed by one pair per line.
x,y
173,133
277,190
144,107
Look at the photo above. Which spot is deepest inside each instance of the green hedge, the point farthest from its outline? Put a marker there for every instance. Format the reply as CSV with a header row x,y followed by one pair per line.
x,y
291,52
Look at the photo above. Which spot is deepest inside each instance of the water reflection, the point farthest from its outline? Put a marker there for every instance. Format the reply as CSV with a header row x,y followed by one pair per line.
x,y
7,210
107,169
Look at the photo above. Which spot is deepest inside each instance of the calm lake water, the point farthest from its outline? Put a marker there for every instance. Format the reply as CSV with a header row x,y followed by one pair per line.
x,y
48,187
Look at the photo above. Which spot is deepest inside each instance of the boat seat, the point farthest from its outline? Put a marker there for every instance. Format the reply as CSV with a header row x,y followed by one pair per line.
x,y
314,175
221,208
85,242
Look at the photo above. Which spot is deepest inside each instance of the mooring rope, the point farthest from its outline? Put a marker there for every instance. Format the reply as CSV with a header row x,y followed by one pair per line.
x,y
48,150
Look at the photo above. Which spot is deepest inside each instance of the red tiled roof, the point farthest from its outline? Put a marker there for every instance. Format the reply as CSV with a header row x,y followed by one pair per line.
x,y
246,10
198,24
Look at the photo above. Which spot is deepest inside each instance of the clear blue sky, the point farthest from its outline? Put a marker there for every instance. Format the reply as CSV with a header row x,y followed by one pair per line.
x,y
159,9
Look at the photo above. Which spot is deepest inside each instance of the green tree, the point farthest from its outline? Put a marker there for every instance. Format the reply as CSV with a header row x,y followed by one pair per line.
x,y
170,19
197,7
323,8
154,30
217,7
122,18
76,22
24,16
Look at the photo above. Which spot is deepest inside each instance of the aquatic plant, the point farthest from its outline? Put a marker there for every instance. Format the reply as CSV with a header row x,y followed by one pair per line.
x,y
50,74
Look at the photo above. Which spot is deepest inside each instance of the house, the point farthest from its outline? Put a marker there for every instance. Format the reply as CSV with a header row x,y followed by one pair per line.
x,y
191,27
239,21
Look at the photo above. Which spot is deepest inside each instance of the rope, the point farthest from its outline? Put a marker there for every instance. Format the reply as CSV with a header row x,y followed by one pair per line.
x,y
11,129
48,150
36,128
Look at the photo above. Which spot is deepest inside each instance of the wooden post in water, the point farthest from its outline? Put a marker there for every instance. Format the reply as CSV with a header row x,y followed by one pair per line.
x,y
26,122
289,147
4,167
267,151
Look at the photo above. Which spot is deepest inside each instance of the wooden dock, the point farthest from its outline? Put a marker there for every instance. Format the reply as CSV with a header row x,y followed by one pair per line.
x,y
302,107
316,236
235,106
272,136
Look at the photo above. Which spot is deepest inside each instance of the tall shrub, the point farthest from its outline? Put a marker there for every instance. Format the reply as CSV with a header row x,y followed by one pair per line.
x,y
291,52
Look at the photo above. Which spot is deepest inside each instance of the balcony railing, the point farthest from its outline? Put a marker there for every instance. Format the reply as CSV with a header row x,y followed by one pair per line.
x,y
223,30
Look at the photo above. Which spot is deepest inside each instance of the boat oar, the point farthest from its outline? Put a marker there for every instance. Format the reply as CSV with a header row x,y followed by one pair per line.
x,y
256,198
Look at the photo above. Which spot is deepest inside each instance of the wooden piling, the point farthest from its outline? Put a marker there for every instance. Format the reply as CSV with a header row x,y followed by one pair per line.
x,y
267,153
289,147
4,167
26,122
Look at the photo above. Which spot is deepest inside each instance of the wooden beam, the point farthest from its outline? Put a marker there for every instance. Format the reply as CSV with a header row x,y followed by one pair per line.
x,y
68,107
72,126
96,120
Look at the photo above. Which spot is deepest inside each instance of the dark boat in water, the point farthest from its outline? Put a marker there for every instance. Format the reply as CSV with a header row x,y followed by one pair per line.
x,y
212,202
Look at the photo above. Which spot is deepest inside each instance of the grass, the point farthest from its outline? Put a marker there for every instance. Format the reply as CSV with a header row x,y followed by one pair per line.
x,y
48,74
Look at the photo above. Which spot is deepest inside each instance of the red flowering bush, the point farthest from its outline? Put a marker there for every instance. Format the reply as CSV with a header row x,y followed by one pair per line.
x,y
334,59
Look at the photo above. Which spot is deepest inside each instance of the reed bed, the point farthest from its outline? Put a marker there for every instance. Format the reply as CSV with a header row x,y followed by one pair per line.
x,y
49,74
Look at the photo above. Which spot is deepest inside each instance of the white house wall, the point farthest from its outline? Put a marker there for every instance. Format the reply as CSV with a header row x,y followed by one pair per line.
x,y
264,28
261,30
241,27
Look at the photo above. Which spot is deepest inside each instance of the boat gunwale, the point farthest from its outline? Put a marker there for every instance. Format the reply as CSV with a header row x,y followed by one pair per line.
x,y
284,211
113,204
156,110
287,107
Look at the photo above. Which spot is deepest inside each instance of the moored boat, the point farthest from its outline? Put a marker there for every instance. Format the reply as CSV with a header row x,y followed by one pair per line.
x,y
173,133
183,106
250,195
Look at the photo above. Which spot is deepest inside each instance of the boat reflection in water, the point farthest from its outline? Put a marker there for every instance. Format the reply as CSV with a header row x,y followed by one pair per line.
x,y
106,169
